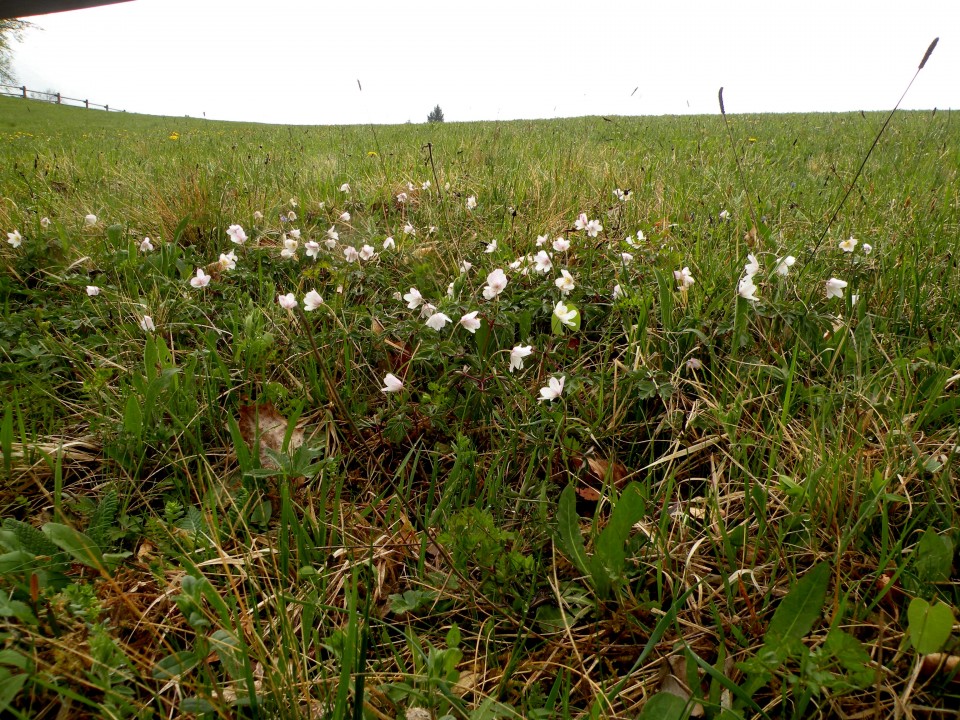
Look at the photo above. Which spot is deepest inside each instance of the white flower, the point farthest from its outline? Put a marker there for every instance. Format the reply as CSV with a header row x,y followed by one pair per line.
x,y
93,290
146,324
14,238
44,222
542,262
561,245
425,185
409,229
746,288
311,248
617,292
450,289
228,261
367,252
331,243
289,248
350,254
312,300
542,240
414,298
641,238
724,215
849,244
470,322
496,282
465,267
391,383
427,309
332,234
491,246
293,202
146,246
401,198
694,364
471,202
565,315
684,278
867,248
554,388
201,280
345,188
593,227
237,235
753,265
437,321
90,219
389,244
517,355
291,216
294,233
784,265
623,195
565,282
345,216
257,215
410,186
627,258
835,287
287,302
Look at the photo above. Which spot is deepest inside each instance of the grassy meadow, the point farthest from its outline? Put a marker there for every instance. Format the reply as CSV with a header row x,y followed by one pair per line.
x,y
589,485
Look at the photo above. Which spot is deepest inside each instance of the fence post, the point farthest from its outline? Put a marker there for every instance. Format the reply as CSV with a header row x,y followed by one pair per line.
x,y
24,88
107,108
87,104
58,98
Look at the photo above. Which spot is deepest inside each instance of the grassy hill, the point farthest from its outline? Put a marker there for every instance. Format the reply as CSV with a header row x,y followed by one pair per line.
x,y
554,428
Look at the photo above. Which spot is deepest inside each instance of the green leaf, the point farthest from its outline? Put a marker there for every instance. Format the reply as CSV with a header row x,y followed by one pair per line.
x,y
928,626
852,656
799,610
228,649
133,417
175,665
79,546
610,556
411,601
933,557
115,234
568,525
664,706
10,686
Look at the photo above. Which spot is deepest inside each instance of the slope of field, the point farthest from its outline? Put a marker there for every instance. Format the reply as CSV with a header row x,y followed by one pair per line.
x,y
540,419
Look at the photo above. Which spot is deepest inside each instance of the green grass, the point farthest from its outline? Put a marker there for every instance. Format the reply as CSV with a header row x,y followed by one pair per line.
x,y
750,504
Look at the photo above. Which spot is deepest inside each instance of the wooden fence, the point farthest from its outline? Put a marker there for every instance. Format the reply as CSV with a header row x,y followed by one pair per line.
x,y
27,94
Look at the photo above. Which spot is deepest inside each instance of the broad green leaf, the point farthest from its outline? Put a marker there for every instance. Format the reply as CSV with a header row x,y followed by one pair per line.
x,y
411,600
10,686
79,546
133,417
928,625
799,610
230,652
610,545
852,657
115,234
175,665
665,706
933,557
568,525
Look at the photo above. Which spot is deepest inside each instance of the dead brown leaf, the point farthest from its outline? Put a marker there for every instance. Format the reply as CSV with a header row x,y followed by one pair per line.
x,y
264,422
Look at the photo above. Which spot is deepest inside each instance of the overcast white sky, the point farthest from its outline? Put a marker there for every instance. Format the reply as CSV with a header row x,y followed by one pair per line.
x,y
296,61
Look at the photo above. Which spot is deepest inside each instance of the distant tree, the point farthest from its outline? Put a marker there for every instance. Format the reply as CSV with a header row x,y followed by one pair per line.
x,y
11,30
436,115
